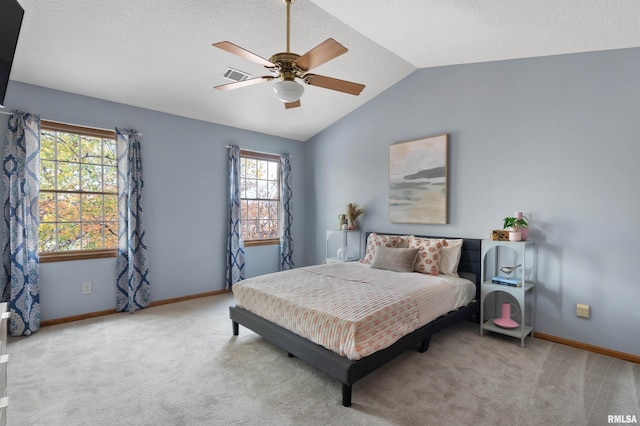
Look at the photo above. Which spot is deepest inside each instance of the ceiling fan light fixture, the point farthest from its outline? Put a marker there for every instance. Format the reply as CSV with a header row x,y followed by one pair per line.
x,y
288,90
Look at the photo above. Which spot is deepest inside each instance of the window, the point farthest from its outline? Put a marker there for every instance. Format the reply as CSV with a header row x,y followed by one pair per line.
x,y
78,193
260,198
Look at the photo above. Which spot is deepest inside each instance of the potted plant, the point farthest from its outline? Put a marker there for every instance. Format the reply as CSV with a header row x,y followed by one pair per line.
x,y
353,213
515,225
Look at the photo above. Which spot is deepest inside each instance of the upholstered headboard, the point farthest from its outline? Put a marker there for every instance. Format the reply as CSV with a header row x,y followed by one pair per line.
x,y
470,259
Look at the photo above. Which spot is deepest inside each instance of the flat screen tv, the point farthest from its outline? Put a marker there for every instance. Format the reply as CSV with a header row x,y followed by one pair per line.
x,y
11,14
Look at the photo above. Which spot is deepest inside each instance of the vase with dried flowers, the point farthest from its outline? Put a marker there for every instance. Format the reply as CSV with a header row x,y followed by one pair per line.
x,y
354,211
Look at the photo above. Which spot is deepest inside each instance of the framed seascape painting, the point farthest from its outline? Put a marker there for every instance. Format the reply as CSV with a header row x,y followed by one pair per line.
x,y
418,181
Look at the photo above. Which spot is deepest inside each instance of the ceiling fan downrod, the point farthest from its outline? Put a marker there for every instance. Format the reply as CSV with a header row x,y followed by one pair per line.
x,y
289,24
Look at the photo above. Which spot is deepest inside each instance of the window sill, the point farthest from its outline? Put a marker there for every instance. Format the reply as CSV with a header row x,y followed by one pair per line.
x,y
77,255
253,243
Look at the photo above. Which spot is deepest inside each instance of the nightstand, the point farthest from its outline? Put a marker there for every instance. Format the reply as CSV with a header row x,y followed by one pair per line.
x,y
519,288
342,245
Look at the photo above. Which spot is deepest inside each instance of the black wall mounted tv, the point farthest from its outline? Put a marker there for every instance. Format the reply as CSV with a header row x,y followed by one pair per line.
x,y
11,14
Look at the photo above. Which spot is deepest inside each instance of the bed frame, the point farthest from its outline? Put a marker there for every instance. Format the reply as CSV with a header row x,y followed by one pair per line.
x,y
345,370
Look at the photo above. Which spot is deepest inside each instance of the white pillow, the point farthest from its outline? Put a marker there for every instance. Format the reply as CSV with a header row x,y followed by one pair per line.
x,y
450,257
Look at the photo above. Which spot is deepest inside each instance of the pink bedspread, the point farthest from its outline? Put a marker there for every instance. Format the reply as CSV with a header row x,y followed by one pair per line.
x,y
348,308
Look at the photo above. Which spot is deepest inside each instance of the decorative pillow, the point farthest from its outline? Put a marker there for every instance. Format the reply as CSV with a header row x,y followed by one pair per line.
x,y
375,240
428,259
450,257
394,259
403,241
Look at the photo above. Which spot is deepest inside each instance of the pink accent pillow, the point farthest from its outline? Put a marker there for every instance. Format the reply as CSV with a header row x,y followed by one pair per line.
x,y
428,259
375,240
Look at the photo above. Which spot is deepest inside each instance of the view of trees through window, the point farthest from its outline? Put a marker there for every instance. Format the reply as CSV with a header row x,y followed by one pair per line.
x,y
260,196
78,189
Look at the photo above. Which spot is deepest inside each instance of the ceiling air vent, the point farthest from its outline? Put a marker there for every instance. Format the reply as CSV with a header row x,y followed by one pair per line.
x,y
236,75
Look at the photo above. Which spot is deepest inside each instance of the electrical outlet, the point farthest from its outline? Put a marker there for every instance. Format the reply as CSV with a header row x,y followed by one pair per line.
x,y
86,288
583,311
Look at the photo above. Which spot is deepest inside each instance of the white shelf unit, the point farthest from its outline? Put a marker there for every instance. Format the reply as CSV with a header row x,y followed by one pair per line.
x,y
346,241
497,254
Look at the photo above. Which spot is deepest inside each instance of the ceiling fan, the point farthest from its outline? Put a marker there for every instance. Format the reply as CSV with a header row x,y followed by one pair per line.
x,y
288,66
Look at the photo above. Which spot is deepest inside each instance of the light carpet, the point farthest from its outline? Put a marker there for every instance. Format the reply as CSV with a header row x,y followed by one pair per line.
x,y
179,364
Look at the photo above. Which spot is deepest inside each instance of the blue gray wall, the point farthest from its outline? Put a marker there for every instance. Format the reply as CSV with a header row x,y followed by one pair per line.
x,y
556,137
185,169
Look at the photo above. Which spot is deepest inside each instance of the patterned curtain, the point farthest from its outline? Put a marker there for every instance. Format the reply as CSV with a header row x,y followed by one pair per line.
x,y
132,292
235,252
21,187
286,241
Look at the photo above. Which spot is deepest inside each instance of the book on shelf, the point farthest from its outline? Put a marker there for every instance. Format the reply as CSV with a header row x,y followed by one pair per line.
x,y
511,282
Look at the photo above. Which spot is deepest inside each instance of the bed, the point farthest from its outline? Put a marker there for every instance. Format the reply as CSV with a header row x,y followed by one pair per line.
x,y
343,363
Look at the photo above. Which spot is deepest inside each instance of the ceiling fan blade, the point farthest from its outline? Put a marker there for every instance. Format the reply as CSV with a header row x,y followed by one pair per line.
x,y
324,52
333,84
244,83
243,53
289,105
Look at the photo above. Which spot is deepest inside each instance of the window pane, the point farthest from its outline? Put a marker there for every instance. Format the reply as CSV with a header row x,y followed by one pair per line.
x,y
68,147
91,236
69,176
273,190
263,190
47,237
48,145
69,236
110,179
249,230
111,235
111,209
268,229
91,150
68,207
273,171
252,209
47,174
274,210
91,208
261,173
47,207
251,187
91,178
272,228
110,155
250,168
264,210
243,209
243,188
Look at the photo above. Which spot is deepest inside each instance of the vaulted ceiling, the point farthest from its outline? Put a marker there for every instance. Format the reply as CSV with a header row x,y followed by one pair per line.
x,y
157,54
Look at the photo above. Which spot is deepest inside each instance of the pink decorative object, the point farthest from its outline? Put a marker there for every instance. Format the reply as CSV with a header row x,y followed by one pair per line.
x,y
505,321
524,232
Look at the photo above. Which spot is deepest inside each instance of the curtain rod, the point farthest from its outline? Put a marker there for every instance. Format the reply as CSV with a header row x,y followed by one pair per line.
x,y
256,151
61,122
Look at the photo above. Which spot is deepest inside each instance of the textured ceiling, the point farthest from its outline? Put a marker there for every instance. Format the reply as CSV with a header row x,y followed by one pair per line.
x,y
157,54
